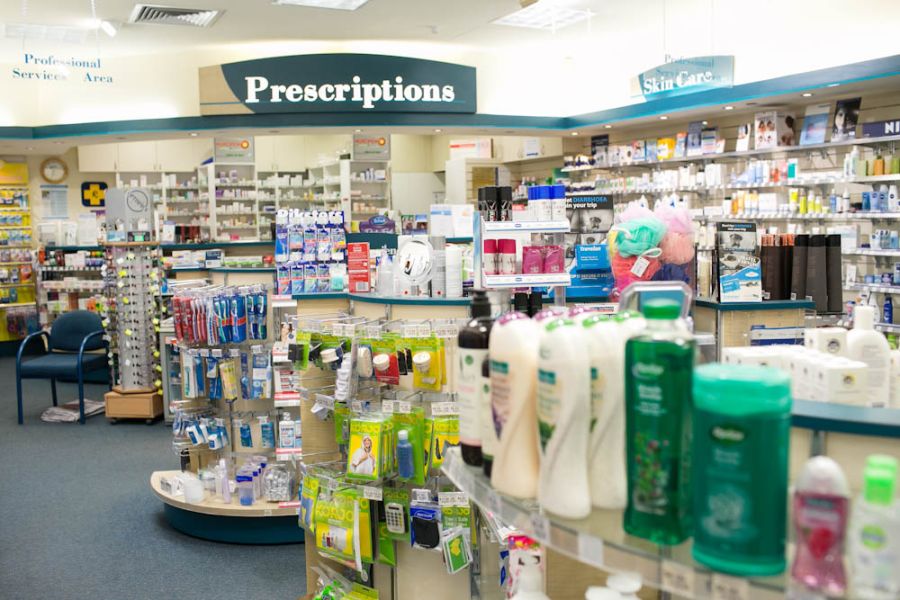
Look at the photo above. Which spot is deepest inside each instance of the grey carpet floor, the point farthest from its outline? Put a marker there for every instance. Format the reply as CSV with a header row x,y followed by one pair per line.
x,y
78,519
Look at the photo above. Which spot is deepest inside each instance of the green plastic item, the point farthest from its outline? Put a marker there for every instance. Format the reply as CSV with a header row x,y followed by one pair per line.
x,y
659,365
882,461
879,484
661,309
740,450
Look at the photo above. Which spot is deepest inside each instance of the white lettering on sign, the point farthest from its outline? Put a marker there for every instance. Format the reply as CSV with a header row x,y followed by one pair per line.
x,y
368,94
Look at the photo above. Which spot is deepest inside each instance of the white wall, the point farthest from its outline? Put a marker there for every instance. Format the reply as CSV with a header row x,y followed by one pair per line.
x,y
580,69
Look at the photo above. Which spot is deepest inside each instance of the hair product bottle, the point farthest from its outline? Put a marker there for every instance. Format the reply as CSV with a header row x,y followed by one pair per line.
x,y
741,436
564,418
513,357
473,351
875,533
658,370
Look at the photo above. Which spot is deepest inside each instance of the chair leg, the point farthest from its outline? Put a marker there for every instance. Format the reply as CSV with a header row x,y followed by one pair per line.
x,y
53,389
19,397
80,395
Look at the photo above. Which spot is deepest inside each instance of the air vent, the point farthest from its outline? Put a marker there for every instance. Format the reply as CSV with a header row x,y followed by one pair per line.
x,y
171,15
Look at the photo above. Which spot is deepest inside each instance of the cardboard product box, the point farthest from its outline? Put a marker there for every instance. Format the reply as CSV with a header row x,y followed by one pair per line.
x,y
773,129
144,405
843,381
358,265
665,148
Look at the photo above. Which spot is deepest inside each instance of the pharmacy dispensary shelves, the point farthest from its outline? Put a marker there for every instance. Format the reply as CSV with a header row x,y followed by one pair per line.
x,y
857,216
526,226
600,541
806,182
523,281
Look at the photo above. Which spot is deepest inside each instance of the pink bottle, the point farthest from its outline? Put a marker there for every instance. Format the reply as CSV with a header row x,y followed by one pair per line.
x,y
821,509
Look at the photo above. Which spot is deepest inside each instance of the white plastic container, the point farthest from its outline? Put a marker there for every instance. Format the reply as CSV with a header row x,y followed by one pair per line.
x,y
286,431
513,358
530,585
607,475
870,346
564,419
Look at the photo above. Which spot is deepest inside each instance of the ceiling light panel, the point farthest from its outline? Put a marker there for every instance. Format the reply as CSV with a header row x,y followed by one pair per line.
x,y
544,15
53,33
171,15
332,4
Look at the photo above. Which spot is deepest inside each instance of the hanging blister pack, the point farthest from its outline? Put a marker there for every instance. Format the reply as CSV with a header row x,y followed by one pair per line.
x,y
246,435
212,376
262,375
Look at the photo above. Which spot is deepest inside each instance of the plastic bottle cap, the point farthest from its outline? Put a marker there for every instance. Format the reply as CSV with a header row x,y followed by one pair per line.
x,y
402,435
882,461
601,593
879,485
382,362
661,308
329,355
625,583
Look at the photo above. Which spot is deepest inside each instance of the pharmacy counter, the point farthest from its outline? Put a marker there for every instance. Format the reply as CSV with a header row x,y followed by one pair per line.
x,y
262,523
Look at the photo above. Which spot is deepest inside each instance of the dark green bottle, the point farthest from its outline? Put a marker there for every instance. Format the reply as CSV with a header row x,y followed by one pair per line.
x,y
658,369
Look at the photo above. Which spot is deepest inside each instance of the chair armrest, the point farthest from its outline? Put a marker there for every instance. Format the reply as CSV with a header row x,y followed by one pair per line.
x,y
28,339
85,341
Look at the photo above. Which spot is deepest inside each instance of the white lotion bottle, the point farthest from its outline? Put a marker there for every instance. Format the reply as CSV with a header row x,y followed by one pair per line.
x,y
871,347
564,419
530,585
606,453
513,352
286,431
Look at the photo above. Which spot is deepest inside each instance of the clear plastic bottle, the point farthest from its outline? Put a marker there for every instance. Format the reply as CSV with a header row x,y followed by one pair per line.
x,y
658,372
875,534
821,511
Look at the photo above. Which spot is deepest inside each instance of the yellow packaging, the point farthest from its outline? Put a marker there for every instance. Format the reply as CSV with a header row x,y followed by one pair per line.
x,y
665,148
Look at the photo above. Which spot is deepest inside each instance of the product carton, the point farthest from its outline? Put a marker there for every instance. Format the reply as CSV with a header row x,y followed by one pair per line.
x,y
841,380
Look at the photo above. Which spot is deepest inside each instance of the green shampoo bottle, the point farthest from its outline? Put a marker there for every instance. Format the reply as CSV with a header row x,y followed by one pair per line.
x,y
742,424
659,365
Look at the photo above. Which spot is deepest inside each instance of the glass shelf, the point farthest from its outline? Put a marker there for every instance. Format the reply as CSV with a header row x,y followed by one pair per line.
x,y
600,542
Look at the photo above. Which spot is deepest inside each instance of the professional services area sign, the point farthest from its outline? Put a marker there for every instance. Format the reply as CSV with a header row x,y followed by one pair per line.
x,y
684,76
346,83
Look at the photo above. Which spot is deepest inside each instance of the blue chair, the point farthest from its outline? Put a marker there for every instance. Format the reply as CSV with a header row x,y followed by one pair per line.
x,y
71,335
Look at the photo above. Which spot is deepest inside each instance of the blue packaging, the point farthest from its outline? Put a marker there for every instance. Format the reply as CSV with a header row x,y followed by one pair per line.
x,y
238,319
215,382
261,305
199,375
282,244
543,192
882,202
245,375
261,376
867,201
323,276
295,237
309,278
297,278
283,279
267,432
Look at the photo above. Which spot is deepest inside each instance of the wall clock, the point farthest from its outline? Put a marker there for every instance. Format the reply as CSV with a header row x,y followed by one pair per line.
x,y
54,170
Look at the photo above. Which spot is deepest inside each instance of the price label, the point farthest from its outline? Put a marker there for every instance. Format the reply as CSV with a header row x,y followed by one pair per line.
x,y
234,352
677,578
373,493
204,352
373,331
387,406
424,329
446,498
326,401
403,407
356,406
590,550
327,328
256,349
444,408
541,527
421,495
410,330
330,484
217,352
446,330
729,588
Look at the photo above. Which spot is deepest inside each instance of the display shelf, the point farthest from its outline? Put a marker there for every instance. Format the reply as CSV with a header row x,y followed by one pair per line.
x,y
526,226
242,269
776,216
459,240
520,280
409,300
73,248
844,418
600,541
763,305
215,245
874,287
871,252
322,296
16,304
211,506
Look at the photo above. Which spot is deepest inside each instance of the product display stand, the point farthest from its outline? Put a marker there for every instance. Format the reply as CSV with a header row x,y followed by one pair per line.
x,y
225,420
17,280
132,322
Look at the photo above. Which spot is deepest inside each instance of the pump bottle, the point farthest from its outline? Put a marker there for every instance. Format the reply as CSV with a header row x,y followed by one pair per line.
x,y
513,358
869,346
473,352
